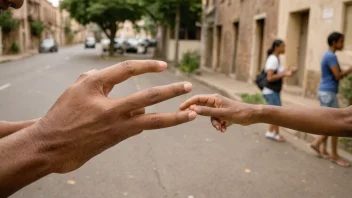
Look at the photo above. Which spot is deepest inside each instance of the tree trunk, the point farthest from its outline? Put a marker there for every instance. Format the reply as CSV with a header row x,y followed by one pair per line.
x,y
113,30
177,32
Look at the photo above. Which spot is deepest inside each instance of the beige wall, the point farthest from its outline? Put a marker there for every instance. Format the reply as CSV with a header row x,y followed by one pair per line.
x,y
321,24
185,46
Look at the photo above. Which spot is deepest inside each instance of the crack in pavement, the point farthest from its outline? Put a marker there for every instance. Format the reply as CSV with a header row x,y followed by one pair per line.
x,y
157,174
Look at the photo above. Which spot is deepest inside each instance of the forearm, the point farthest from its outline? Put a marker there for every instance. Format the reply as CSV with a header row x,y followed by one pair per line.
x,y
321,121
21,162
276,77
7,128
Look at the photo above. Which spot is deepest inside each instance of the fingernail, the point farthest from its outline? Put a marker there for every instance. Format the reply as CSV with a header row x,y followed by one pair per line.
x,y
188,86
192,115
162,65
223,130
217,127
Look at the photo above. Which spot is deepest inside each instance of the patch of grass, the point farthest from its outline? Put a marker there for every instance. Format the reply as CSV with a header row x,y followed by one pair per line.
x,y
346,144
253,99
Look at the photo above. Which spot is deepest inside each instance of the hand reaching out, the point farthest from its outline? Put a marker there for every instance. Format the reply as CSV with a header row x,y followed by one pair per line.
x,y
223,111
85,121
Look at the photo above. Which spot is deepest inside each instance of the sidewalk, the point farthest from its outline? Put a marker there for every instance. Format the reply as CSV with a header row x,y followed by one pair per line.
x,y
8,58
233,89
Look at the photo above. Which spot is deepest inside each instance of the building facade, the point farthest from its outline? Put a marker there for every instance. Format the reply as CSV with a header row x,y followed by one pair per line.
x,y
55,22
305,25
239,32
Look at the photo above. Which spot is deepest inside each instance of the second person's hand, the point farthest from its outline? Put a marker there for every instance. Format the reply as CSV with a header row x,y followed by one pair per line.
x,y
223,111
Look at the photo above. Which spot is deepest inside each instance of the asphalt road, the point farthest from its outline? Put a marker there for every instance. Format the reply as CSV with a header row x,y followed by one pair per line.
x,y
188,161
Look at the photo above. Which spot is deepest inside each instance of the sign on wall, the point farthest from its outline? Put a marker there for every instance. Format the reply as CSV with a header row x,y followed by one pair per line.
x,y
328,13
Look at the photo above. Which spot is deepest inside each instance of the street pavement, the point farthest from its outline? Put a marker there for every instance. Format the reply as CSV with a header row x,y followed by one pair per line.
x,y
188,161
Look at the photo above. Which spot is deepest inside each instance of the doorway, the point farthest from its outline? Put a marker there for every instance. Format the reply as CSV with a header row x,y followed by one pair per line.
x,y
209,47
259,44
218,46
296,49
236,32
302,50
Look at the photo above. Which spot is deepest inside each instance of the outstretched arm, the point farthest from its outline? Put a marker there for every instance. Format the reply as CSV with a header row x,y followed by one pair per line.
x,y
224,112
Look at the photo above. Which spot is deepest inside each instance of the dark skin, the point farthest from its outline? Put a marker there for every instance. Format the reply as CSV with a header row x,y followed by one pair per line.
x,y
84,122
224,112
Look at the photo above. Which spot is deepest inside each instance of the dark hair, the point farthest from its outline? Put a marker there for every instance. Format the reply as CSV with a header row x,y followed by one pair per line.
x,y
334,37
275,44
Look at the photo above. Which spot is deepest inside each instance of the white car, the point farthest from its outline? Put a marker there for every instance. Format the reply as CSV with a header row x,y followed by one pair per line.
x,y
90,42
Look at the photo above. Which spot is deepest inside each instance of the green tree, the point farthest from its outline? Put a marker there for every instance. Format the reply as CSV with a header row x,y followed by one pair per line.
x,y
106,13
37,28
7,22
174,14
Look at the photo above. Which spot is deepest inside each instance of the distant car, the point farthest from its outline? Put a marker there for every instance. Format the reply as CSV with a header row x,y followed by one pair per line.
x,y
105,44
135,46
48,45
90,42
118,45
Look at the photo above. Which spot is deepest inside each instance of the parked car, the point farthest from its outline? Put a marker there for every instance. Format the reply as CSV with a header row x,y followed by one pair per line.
x,y
118,45
90,42
105,43
48,45
135,46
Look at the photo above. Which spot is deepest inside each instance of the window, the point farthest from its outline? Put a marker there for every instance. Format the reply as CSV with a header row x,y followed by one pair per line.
x,y
348,27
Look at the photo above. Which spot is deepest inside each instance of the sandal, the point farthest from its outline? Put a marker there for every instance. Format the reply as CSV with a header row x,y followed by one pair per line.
x,y
275,137
341,162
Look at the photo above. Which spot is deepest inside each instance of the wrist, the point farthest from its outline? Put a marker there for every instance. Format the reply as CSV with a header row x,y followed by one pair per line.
x,y
258,113
22,162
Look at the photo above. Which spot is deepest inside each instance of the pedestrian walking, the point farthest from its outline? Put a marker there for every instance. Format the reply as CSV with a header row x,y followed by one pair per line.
x,y
327,94
275,73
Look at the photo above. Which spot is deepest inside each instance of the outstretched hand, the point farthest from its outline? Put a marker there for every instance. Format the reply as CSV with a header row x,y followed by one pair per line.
x,y
223,111
85,121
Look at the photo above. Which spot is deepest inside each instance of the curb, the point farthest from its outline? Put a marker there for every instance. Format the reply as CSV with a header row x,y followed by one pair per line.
x,y
23,56
308,138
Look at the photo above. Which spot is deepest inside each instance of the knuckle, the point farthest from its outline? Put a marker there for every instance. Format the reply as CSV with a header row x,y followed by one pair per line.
x,y
128,68
93,79
153,95
156,122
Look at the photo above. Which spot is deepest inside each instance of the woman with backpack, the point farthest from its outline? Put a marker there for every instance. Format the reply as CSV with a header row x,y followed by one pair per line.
x,y
275,73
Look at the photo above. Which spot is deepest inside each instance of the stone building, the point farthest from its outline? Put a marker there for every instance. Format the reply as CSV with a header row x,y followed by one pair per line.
x,y
239,32
305,25
22,35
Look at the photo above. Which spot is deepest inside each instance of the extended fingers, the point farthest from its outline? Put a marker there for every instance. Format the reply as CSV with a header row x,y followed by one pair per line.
x,y
204,100
163,120
155,95
208,111
124,70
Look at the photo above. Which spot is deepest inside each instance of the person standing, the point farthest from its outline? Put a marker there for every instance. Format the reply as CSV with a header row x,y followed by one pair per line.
x,y
327,94
275,73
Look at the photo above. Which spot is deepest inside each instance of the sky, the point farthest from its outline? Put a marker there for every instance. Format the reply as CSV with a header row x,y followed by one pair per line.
x,y
55,2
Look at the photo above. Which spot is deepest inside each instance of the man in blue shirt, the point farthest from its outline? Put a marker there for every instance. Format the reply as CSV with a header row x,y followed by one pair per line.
x,y
328,89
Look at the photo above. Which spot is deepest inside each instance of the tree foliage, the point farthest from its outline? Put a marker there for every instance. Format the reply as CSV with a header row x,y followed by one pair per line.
x,y
164,11
37,28
106,13
7,22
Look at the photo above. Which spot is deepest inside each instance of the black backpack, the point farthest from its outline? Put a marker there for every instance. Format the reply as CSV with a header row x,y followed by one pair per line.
x,y
261,80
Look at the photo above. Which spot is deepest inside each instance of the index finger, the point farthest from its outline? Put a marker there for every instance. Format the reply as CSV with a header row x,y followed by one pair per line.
x,y
120,72
204,100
